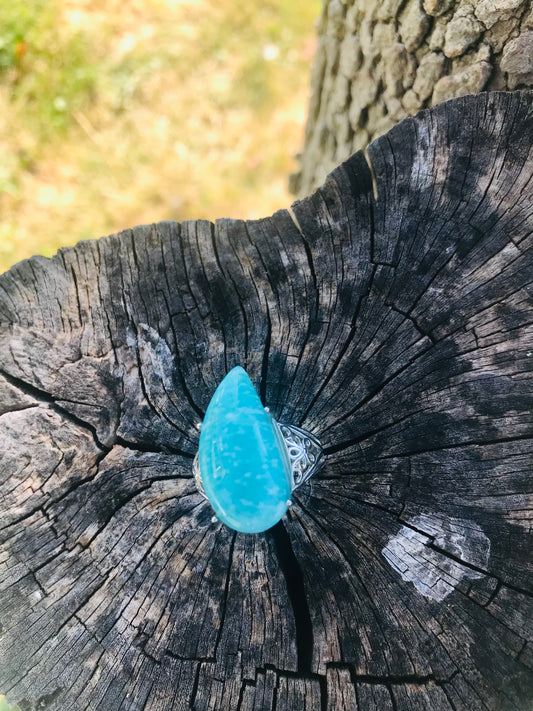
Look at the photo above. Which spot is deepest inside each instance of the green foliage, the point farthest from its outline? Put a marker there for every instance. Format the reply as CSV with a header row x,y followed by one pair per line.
x,y
15,23
48,74
4,706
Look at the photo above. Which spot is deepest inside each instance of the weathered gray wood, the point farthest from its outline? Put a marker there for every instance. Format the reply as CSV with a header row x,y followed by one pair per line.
x,y
396,328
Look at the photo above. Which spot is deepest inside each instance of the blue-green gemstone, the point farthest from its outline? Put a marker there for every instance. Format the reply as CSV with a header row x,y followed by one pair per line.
x,y
244,465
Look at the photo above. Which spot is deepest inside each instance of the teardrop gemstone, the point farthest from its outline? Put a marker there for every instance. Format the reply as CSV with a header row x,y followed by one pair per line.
x,y
244,466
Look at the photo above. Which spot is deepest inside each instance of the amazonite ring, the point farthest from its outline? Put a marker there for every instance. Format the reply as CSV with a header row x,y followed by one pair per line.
x,y
248,465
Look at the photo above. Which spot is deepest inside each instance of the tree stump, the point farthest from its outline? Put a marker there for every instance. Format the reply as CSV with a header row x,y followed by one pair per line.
x,y
395,326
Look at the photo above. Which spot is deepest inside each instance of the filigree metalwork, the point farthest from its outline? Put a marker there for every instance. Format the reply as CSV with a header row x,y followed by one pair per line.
x,y
305,453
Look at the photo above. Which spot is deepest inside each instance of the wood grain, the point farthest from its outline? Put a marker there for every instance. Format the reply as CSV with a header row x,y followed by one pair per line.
x,y
395,327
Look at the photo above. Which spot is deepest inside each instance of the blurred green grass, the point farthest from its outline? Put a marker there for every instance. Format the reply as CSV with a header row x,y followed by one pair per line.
x,y
56,76
4,706
115,114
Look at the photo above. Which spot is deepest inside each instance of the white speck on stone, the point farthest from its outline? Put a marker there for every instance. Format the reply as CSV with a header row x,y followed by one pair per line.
x,y
434,574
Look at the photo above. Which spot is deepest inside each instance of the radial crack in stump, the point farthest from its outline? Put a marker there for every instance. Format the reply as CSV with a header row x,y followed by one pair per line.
x,y
397,329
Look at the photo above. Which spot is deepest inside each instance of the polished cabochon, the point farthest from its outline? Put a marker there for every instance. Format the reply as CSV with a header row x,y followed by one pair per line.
x,y
245,469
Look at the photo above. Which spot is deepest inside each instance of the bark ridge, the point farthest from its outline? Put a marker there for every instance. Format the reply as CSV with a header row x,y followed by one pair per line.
x,y
379,61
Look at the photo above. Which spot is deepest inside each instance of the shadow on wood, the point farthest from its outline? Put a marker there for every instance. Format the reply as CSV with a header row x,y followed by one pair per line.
x,y
397,329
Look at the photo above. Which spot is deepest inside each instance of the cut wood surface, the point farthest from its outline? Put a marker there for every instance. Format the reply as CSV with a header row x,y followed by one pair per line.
x,y
397,328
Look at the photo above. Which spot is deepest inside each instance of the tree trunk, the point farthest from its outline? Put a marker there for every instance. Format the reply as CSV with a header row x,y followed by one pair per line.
x,y
379,61
396,328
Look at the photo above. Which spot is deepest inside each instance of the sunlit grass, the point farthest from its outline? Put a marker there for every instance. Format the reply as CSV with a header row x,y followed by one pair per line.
x,y
114,114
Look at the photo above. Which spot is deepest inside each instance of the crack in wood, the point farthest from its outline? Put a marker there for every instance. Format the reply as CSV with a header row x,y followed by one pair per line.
x,y
449,554
46,399
292,572
225,594
371,395
342,352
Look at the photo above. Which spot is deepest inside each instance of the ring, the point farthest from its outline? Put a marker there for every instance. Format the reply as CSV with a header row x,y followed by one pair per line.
x,y
247,464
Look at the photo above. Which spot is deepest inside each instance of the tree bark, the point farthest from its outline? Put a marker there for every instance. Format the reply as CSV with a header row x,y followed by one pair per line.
x,y
379,61
397,328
